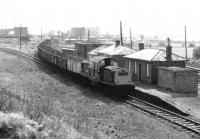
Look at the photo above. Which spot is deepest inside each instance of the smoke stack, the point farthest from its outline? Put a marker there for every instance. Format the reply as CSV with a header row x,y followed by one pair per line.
x,y
141,46
117,43
168,51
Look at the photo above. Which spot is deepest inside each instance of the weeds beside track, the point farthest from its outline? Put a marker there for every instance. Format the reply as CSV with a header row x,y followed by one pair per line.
x,y
186,124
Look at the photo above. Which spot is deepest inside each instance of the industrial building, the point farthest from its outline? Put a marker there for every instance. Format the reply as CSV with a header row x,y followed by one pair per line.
x,y
15,33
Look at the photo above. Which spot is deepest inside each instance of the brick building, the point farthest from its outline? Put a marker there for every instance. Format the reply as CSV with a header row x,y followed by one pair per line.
x,y
178,79
82,48
144,63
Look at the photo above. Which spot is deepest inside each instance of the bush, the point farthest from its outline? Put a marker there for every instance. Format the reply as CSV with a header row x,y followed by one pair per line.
x,y
16,126
196,52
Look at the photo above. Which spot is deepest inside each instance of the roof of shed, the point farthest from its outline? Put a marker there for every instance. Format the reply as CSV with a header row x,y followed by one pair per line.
x,y
94,51
153,55
176,68
98,58
121,50
88,43
113,50
107,50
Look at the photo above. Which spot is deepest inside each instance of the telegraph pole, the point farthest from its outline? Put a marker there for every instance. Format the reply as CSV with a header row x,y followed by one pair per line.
x,y
131,39
41,35
185,43
121,37
20,37
88,35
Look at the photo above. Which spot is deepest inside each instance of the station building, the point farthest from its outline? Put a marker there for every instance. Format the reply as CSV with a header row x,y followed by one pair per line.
x,y
144,64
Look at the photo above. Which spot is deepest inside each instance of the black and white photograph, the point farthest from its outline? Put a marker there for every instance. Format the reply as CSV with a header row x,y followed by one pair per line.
x,y
99,69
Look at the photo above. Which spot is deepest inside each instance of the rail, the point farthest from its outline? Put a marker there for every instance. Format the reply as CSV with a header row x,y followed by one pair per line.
x,y
16,52
187,124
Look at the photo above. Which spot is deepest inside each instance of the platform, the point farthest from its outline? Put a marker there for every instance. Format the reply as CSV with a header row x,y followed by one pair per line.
x,y
180,101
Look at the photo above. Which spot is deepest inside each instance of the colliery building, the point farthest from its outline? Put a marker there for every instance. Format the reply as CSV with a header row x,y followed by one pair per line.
x,y
15,33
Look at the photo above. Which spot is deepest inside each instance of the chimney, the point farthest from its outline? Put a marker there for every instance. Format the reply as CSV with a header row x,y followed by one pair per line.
x,y
141,46
168,51
121,35
117,43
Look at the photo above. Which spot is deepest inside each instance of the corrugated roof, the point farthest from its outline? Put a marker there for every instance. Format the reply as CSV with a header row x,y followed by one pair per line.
x,y
97,58
94,51
153,55
107,50
121,50
113,50
176,69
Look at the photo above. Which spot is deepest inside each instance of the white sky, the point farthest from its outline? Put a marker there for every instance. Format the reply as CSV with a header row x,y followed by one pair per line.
x,y
149,17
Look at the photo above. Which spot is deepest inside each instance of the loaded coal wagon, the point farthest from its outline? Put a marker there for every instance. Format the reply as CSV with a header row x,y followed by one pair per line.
x,y
99,71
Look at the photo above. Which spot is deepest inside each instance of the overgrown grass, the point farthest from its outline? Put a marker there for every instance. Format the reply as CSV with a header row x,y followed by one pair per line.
x,y
32,117
15,125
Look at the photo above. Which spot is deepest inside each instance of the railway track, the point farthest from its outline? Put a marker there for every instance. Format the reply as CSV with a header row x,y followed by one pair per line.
x,y
186,124
22,54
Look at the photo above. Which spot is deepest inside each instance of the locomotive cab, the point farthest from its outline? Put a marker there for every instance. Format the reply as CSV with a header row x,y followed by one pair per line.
x,y
116,75
93,68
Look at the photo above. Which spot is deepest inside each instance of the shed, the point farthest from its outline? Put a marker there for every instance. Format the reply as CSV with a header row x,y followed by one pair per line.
x,y
116,52
82,48
93,52
143,64
179,80
106,51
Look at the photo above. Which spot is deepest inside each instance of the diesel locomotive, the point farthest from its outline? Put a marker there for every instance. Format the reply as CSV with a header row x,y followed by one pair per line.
x,y
99,70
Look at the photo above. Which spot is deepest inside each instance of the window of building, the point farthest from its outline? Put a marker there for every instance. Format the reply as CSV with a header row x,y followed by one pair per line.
x,y
147,70
135,67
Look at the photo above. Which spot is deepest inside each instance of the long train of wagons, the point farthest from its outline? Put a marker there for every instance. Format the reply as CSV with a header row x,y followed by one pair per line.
x,y
99,71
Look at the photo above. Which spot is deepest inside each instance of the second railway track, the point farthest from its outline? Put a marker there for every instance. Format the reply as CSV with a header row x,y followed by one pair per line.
x,y
186,124
22,54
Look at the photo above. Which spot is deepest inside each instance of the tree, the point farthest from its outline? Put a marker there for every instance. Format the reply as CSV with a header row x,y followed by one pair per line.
x,y
196,52
191,45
